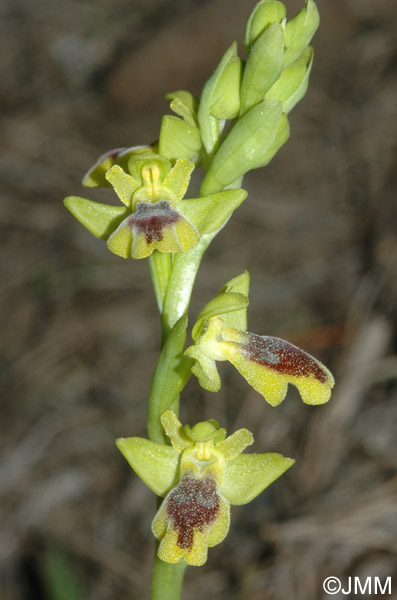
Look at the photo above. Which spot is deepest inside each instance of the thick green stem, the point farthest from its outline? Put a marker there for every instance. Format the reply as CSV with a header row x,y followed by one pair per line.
x,y
167,579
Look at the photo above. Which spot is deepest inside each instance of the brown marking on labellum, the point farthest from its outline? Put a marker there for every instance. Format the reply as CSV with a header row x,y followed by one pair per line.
x,y
283,357
194,503
150,219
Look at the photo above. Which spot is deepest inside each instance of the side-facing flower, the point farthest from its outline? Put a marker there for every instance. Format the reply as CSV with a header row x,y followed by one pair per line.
x,y
268,363
199,476
155,215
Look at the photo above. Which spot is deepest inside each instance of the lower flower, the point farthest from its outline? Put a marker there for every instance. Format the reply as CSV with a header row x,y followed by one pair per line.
x,y
200,477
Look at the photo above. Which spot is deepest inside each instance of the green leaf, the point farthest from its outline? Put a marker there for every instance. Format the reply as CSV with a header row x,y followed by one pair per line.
x,y
225,102
263,68
293,81
178,139
100,219
185,105
264,14
156,464
245,146
209,213
209,127
171,374
299,31
247,475
60,582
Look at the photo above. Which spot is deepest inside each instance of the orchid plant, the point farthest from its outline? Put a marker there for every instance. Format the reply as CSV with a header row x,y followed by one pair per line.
x,y
238,124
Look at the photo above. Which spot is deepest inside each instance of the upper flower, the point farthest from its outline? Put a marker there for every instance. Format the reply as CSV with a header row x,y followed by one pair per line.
x,y
201,475
269,364
155,215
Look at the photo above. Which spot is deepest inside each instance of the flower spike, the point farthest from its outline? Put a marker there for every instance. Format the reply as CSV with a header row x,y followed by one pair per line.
x,y
201,475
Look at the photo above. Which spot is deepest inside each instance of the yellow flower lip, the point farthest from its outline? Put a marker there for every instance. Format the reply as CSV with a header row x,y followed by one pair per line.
x,y
193,504
283,357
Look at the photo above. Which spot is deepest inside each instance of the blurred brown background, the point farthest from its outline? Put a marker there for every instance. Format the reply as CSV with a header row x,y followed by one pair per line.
x,y
80,331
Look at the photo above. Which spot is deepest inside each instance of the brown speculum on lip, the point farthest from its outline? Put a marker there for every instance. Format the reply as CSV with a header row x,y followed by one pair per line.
x,y
150,219
193,504
283,357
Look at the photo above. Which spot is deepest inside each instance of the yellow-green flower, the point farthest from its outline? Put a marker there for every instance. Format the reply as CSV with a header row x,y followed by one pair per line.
x,y
154,215
199,476
268,363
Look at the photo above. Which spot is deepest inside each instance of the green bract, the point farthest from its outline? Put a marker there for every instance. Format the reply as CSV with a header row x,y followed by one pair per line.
x,y
200,476
245,147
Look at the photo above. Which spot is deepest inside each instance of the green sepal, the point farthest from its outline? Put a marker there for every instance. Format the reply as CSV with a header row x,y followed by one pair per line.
x,y
247,475
209,126
171,374
95,176
178,178
238,285
230,303
146,159
225,103
245,146
100,219
264,14
179,139
204,369
124,185
227,302
293,82
209,213
280,139
299,31
156,464
185,105
263,68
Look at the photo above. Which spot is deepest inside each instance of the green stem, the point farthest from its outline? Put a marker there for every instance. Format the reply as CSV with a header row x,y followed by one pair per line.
x,y
173,291
167,580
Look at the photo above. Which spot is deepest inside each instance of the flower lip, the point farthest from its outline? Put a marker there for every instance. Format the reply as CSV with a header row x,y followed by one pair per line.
x,y
150,219
193,504
283,357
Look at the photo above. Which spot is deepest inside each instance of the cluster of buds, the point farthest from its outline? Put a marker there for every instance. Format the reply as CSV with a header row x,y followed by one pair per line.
x,y
255,94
